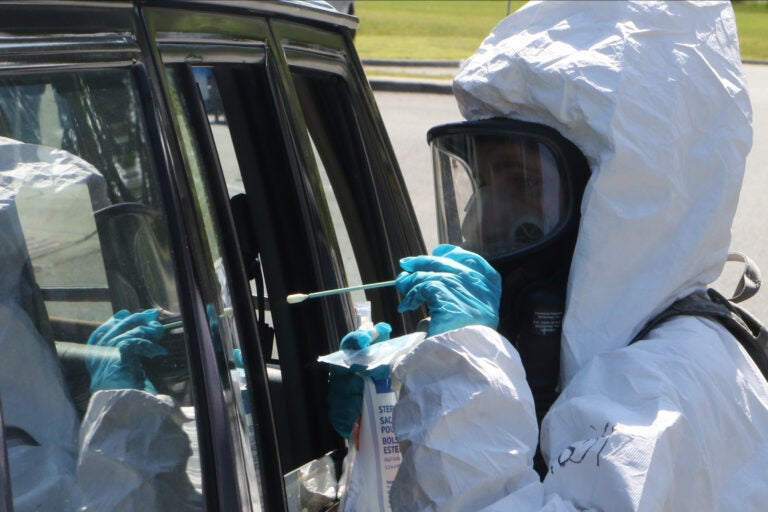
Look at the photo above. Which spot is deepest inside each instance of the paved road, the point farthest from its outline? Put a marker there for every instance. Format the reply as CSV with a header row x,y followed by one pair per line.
x,y
408,116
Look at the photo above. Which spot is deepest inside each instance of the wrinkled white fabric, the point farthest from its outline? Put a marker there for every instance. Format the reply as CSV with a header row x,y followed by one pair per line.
x,y
130,452
34,400
654,95
43,454
133,454
674,422
32,166
465,382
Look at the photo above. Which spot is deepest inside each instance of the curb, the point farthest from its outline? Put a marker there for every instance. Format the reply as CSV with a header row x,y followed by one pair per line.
x,y
457,63
412,63
424,86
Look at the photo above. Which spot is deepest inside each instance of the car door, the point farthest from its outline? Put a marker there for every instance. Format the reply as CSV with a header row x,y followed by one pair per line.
x,y
201,161
291,163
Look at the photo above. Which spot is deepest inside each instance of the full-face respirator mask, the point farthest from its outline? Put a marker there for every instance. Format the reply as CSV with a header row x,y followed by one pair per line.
x,y
511,191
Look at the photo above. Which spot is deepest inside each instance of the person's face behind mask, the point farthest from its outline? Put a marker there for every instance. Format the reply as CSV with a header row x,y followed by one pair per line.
x,y
503,187
519,198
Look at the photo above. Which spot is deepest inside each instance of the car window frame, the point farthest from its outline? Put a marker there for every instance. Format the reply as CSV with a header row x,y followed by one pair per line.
x,y
301,443
118,45
272,488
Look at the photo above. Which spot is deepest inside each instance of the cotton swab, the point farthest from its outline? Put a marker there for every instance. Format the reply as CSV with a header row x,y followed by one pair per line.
x,y
295,298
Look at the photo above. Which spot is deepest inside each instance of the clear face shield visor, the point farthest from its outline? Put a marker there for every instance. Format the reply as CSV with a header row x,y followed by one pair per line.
x,y
502,187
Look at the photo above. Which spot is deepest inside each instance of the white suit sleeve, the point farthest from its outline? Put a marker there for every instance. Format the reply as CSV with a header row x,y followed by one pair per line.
x,y
685,402
134,454
466,425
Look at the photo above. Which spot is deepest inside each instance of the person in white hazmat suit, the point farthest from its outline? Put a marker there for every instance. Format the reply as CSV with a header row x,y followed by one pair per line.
x,y
669,415
110,460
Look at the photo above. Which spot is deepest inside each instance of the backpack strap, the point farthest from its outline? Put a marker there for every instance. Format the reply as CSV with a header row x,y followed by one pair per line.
x,y
749,331
750,280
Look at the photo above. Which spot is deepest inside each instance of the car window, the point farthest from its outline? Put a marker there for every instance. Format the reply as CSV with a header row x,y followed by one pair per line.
x,y
226,55
240,161
233,180
331,155
219,308
87,261
287,200
336,233
247,145
254,159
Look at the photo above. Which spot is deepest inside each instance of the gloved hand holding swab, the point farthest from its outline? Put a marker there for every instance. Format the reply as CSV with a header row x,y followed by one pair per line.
x,y
295,298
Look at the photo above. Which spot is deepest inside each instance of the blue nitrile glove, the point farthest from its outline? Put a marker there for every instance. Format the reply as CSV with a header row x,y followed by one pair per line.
x,y
134,335
459,287
345,386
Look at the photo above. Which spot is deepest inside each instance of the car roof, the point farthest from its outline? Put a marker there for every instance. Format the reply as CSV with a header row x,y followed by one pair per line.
x,y
317,11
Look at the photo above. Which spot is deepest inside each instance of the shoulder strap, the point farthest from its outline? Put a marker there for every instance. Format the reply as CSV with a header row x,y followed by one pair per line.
x,y
750,280
749,331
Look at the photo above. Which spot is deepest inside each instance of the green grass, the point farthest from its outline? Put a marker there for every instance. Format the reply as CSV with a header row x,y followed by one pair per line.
x,y
752,22
453,29
425,30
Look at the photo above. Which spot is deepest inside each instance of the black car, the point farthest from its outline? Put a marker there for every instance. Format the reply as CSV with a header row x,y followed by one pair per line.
x,y
201,159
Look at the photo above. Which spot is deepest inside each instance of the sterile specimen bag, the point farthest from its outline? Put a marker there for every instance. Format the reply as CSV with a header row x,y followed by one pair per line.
x,y
377,458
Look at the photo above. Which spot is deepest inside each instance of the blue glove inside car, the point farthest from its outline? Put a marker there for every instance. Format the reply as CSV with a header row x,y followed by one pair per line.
x,y
345,386
459,287
134,335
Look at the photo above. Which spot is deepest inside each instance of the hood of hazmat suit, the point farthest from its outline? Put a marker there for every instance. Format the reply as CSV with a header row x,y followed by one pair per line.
x,y
653,93
666,144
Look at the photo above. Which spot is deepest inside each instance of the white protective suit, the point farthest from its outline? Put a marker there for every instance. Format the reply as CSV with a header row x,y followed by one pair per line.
x,y
654,95
112,460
